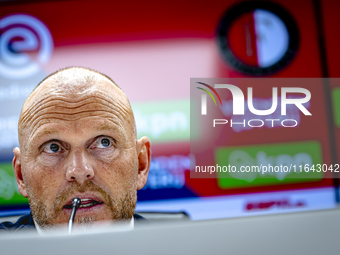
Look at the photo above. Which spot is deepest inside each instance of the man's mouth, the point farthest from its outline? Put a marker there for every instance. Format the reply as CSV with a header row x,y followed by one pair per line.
x,y
85,203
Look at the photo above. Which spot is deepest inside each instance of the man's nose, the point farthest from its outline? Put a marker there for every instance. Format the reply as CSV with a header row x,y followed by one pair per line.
x,y
79,168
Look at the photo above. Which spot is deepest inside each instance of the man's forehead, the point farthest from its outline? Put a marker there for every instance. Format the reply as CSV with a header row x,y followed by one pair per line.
x,y
71,94
75,82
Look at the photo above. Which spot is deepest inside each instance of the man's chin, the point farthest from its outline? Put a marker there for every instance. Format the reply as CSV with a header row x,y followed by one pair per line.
x,y
89,215
86,224
81,222
103,211
90,224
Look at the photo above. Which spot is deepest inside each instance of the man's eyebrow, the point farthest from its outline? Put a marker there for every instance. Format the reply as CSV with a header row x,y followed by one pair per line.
x,y
111,127
43,133
108,126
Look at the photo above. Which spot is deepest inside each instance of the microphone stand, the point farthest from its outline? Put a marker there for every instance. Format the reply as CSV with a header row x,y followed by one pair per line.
x,y
75,205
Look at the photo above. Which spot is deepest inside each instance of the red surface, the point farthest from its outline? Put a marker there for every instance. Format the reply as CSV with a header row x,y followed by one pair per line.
x,y
90,22
242,39
74,22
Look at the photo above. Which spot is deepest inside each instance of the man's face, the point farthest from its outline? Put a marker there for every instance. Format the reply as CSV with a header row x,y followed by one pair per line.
x,y
80,142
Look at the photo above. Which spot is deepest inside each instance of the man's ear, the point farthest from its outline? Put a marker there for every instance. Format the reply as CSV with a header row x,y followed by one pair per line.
x,y
144,160
18,173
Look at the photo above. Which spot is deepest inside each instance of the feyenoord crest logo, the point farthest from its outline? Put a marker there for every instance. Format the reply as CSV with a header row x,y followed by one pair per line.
x,y
258,38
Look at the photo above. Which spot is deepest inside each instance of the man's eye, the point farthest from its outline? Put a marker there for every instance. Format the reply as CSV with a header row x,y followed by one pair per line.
x,y
103,142
52,147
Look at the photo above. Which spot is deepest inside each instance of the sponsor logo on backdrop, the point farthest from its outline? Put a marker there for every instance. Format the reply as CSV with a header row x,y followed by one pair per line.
x,y
168,172
266,164
21,34
274,204
257,37
163,121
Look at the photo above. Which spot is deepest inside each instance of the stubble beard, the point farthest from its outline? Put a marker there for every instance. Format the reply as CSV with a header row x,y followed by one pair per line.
x,y
121,210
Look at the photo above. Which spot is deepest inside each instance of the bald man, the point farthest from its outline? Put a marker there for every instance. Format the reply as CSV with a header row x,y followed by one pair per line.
x,y
77,138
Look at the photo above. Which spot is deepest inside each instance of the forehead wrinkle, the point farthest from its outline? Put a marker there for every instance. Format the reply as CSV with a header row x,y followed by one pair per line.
x,y
33,108
46,119
67,107
30,113
33,136
54,108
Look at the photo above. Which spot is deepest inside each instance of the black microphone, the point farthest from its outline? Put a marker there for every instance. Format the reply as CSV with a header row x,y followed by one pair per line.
x,y
75,205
